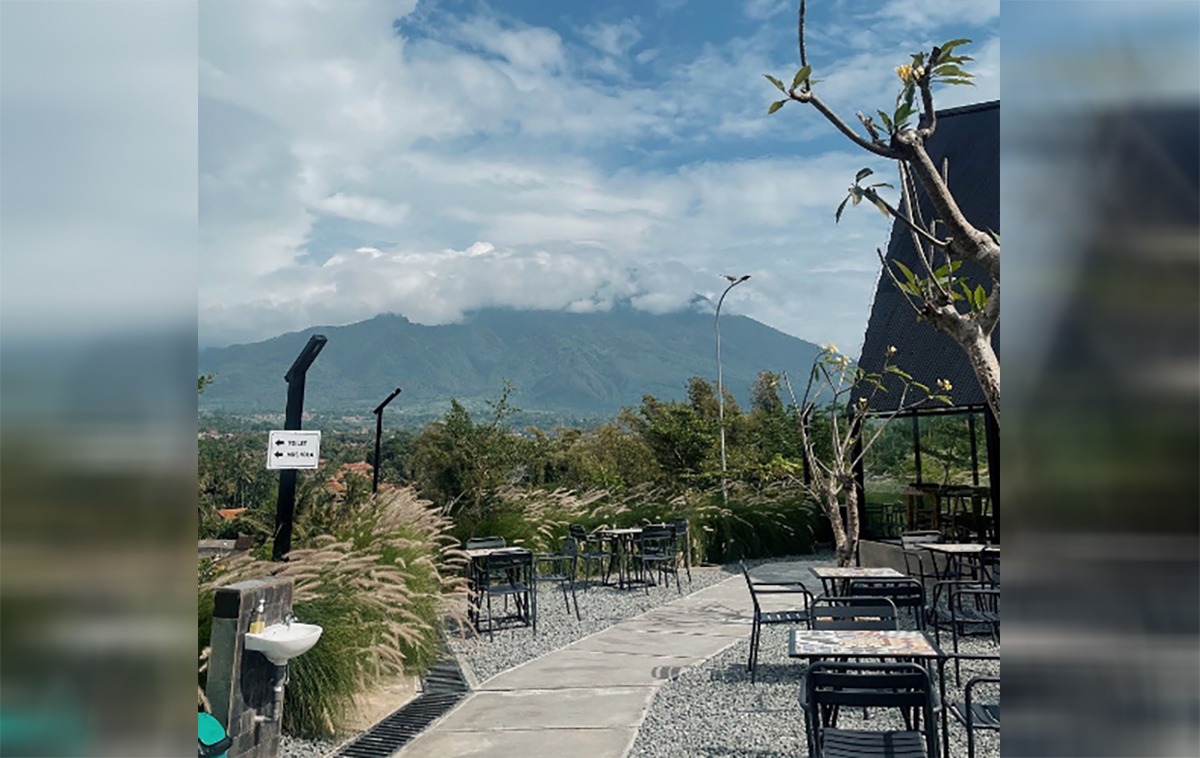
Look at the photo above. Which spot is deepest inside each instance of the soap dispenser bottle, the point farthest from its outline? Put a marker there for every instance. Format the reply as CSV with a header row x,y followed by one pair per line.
x,y
259,622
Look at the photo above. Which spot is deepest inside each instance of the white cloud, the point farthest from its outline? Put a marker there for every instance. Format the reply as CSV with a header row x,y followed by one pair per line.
x,y
932,14
760,10
348,170
612,39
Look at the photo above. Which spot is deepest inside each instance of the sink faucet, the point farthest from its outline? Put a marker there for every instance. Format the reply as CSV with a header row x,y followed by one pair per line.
x,y
288,619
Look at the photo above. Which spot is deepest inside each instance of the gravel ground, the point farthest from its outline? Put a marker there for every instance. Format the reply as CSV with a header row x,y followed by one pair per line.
x,y
711,709
714,710
600,607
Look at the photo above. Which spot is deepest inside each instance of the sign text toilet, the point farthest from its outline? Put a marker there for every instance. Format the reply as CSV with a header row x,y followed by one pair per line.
x,y
293,449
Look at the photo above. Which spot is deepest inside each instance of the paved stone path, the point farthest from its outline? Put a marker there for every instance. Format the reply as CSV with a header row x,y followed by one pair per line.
x,y
589,698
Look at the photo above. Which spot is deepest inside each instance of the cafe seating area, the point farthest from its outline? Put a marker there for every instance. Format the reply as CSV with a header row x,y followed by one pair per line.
x,y
854,653
502,578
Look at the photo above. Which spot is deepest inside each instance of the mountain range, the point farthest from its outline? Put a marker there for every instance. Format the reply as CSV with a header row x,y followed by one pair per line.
x,y
568,366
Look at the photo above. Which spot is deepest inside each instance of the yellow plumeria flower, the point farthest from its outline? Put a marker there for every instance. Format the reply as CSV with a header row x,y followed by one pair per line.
x,y
891,350
904,72
944,385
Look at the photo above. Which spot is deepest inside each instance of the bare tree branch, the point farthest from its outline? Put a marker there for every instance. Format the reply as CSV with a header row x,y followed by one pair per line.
x,y
873,196
807,96
800,39
924,83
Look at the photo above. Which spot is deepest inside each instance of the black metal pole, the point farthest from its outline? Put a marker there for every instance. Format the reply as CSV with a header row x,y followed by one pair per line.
x,y
991,431
285,506
378,435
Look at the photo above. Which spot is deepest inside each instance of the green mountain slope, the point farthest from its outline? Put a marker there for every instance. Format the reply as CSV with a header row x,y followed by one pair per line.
x,y
567,364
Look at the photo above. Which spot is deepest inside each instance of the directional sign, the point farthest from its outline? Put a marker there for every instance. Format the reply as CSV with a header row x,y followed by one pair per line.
x,y
293,449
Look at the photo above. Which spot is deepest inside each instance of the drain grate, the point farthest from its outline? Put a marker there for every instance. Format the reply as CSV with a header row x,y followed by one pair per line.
x,y
444,686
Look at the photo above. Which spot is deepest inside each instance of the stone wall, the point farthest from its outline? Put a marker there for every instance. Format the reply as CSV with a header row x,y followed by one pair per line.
x,y
241,683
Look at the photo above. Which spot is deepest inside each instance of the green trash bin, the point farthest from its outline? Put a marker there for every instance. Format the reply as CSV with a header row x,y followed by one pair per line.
x,y
211,735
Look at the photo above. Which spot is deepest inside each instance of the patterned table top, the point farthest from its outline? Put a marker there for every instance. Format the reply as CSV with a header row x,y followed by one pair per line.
x,y
958,548
810,643
486,551
855,572
623,532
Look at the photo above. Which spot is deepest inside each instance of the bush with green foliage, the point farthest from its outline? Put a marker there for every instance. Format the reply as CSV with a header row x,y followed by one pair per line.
x,y
378,582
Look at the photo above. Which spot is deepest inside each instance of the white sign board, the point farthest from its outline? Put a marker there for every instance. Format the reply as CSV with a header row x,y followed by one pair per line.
x,y
294,449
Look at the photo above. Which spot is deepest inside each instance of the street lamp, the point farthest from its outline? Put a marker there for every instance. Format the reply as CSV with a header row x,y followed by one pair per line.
x,y
733,282
378,434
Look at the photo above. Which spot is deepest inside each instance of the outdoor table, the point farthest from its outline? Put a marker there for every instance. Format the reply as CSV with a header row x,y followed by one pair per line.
x,y
956,553
836,579
854,643
477,566
621,543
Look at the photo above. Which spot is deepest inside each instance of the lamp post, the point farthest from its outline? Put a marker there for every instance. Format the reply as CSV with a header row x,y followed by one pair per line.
x,y
285,505
378,435
733,282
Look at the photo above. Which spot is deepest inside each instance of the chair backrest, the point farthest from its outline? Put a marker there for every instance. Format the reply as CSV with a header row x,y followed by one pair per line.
x,y
486,543
909,539
657,537
853,613
830,684
507,568
570,547
578,532
749,584
905,593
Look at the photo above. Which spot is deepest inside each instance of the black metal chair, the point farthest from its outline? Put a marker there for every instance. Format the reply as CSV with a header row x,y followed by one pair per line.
x,y
829,685
475,570
969,606
972,712
509,575
561,567
904,593
655,553
591,550
683,544
792,616
853,613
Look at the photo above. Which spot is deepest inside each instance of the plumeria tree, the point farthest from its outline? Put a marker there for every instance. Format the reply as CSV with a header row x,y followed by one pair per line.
x,y
944,239
832,414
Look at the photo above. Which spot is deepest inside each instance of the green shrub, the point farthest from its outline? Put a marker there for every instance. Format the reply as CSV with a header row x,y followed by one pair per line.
x,y
378,584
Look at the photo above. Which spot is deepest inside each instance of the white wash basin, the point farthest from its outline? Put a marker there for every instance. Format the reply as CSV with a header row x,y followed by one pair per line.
x,y
282,642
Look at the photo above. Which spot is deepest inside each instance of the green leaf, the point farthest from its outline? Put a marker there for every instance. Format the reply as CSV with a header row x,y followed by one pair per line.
x,y
980,297
994,235
923,387
950,69
898,371
887,122
837,217
882,184
908,274
801,75
966,288
856,195
957,81
903,112
863,173
775,106
948,46
776,82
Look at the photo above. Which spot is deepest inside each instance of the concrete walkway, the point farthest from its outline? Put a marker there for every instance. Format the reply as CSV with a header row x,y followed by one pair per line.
x,y
589,698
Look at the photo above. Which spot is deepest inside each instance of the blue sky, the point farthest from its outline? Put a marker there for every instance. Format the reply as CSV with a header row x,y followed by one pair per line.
x,y
431,158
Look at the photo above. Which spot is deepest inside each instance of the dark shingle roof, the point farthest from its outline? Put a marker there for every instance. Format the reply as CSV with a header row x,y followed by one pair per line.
x,y
970,138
